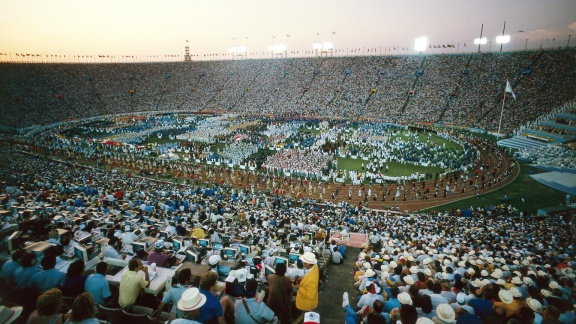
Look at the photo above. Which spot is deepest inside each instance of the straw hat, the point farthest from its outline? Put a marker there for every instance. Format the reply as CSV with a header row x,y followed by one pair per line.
x,y
191,299
445,313
505,296
534,304
404,298
8,315
309,257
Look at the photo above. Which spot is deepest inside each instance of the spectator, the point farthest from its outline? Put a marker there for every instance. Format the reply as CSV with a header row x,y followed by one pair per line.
x,y
97,285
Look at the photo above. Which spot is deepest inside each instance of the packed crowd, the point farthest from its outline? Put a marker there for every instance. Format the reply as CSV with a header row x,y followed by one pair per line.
x,y
426,269
459,89
441,267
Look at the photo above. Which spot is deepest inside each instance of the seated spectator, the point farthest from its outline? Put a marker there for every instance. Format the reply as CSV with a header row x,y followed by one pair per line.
x,y
250,310
175,293
83,310
159,257
48,308
190,303
97,285
48,278
131,283
75,279
23,275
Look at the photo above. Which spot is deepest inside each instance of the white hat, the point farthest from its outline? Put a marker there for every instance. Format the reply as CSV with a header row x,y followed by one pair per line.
x,y
384,267
393,264
191,299
546,293
516,281
500,282
553,285
241,274
366,265
426,261
445,313
369,273
159,244
471,271
461,298
428,273
505,296
404,298
271,251
424,320
214,259
496,274
408,279
414,269
308,257
8,315
515,292
528,281
484,273
311,318
534,304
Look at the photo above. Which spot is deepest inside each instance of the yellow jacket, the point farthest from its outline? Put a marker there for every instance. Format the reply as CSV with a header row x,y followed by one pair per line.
x,y
307,296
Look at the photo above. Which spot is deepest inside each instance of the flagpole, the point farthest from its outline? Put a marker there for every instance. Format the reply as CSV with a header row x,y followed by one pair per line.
x,y
502,111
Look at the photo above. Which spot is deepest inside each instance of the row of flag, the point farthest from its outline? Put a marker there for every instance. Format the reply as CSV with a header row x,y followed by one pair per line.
x,y
341,50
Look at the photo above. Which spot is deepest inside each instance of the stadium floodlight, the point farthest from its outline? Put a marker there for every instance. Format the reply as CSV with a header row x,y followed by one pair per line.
x,y
480,41
237,49
277,48
420,44
327,45
502,39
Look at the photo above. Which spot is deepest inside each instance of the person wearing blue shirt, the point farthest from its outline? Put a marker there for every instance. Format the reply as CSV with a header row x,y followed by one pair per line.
x,y
23,274
49,277
212,309
97,285
11,266
174,294
393,302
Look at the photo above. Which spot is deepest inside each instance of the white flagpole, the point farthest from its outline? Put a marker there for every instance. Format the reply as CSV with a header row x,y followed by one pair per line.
x,y
502,111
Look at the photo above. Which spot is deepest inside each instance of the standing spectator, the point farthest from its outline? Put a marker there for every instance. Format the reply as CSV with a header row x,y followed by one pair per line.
x,y
307,288
280,293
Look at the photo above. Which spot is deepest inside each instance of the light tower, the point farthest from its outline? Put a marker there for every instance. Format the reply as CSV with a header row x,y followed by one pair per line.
x,y
187,57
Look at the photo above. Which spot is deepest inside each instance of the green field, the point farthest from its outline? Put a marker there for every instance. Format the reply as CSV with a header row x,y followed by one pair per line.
x,y
394,168
535,195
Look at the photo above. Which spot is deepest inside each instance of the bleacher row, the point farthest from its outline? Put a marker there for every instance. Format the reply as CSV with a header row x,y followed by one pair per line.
x,y
521,142
565,182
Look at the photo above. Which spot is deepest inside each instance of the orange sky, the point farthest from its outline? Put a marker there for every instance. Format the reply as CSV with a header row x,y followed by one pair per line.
x,y
143,27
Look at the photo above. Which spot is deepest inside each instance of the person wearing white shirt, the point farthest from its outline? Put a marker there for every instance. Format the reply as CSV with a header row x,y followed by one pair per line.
x,y
128,238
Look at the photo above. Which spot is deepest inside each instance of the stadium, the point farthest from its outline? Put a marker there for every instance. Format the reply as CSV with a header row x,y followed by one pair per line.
x,y
443,181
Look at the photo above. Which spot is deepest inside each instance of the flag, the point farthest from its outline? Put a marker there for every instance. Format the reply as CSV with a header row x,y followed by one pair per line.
x,y
509,89
273,36
333,33
186,41
317,34
287,35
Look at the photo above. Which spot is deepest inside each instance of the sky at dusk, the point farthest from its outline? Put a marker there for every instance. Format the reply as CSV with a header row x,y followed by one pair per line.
x,y
144,27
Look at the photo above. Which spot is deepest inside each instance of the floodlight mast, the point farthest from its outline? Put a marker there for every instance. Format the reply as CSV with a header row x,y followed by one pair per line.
x,y
420,44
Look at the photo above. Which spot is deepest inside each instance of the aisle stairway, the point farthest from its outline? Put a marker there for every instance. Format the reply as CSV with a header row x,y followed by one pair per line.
x,y
338,280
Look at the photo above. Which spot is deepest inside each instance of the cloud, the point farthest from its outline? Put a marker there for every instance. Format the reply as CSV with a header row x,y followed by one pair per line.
x,y
572,26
